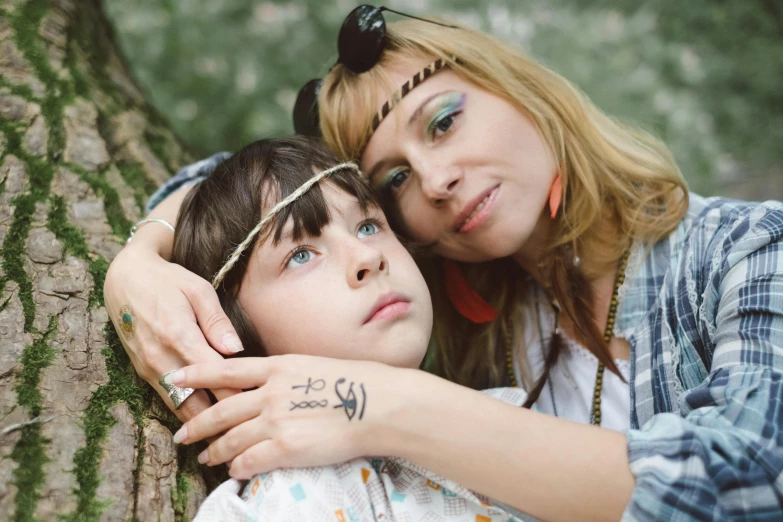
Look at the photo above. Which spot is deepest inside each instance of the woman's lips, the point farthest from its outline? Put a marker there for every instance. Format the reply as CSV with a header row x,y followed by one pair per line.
x,y
389,306
478,212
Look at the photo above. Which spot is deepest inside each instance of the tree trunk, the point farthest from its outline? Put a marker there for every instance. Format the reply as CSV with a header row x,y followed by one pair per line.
x,y
80,150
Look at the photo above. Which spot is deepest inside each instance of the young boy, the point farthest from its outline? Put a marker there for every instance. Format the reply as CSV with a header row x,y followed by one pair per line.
x,y
320,274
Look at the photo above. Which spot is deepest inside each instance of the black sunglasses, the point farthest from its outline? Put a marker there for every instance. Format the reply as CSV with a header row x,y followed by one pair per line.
x,y
359,47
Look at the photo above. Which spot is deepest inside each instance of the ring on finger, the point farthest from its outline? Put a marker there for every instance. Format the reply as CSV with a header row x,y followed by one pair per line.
x,y
177,394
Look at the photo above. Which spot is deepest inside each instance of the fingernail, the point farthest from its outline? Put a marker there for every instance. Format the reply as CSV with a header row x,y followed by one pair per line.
x,y
232,343
181,435
174,377
203,457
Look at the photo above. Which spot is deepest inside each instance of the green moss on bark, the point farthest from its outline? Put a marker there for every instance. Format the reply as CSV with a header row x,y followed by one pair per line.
x,y
14,250
137,179
87,53
74,242
59,93
179,497
118,222
97,422
30,451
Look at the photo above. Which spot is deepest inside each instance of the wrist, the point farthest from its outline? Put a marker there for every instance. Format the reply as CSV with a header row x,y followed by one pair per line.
x,y
153,239
405,425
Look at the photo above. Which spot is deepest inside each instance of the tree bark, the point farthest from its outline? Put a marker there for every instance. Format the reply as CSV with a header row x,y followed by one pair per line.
x,y
80,150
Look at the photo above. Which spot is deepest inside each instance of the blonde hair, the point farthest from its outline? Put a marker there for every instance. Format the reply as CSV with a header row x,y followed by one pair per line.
x,y
619,184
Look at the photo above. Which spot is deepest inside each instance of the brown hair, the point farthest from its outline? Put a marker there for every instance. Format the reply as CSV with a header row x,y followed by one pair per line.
x,y
620,184
218,214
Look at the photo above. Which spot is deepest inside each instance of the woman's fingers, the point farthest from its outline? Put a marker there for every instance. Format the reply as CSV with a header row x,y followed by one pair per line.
x,y
259,458
223,416
160,359
238,373
193,348
197,403
235,442
212,320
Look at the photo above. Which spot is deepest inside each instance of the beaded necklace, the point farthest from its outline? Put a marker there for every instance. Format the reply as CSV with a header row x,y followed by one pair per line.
x,y
595,415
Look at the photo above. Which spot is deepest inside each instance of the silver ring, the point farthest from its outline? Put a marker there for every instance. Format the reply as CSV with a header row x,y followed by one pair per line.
x,y
177,394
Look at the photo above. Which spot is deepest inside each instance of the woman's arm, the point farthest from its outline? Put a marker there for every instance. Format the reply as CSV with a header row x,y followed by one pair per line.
x,y
544,466
550,468
175,316
720,455
153,238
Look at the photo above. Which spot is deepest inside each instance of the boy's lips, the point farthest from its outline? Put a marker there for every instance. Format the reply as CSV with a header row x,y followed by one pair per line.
x,y
388,306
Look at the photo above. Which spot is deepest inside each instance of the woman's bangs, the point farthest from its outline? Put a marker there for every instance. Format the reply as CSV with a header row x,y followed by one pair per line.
x,y
348,103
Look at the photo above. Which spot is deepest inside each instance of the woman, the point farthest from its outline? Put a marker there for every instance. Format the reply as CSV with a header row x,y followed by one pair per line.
x,y
565,226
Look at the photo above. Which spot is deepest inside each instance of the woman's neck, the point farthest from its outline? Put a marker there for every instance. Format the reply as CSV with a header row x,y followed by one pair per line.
x,y
600,276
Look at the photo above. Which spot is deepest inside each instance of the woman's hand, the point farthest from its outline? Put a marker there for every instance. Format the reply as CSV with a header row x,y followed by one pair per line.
x,y
163,313
306,411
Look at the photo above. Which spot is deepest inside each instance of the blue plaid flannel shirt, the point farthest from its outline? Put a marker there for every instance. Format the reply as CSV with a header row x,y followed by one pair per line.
x,y
703,312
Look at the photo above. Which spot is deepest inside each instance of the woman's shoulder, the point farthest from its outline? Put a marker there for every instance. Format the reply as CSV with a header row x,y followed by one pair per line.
x,y
723,242
717,215
715,236
719,230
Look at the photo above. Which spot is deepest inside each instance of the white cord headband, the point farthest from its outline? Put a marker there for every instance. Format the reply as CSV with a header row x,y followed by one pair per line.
x,y
272,213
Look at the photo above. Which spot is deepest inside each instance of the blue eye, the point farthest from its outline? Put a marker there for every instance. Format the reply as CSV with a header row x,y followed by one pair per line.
x,y
299,258
367,228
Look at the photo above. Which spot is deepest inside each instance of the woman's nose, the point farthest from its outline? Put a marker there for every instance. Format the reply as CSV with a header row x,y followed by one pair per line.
x,y
366,262
439,182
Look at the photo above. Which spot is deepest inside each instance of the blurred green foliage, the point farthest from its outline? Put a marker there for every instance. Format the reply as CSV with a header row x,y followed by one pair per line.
x,y
703,75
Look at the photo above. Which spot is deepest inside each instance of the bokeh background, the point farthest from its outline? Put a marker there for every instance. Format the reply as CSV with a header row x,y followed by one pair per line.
x,y
705,76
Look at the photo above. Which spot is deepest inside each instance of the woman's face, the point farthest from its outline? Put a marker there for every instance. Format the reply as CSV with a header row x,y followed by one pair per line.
x,y
467,171
353,292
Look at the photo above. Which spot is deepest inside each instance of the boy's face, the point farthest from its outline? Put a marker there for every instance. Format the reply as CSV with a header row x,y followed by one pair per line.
x,y
354,292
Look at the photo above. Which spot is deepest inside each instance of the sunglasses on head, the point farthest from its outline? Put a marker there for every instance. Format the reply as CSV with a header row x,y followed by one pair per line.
x,y
359,47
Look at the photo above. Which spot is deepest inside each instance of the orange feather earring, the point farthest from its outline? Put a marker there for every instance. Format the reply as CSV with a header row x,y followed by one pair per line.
x,y
464,298
555,196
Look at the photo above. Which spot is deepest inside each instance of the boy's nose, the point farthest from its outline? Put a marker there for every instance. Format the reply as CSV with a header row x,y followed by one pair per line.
x,y
367,262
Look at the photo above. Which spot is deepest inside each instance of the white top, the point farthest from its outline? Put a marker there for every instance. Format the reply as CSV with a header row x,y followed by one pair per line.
x,y
568,393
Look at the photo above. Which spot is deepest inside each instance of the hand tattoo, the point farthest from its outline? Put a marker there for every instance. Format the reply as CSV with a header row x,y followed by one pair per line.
x,y
317,385
349,401
309,404
352,402
127,322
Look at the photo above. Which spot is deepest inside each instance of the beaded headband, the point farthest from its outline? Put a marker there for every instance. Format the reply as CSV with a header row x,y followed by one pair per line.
x,y
234,257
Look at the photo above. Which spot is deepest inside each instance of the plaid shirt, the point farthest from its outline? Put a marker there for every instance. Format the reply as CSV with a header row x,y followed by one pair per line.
x,y
703,312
